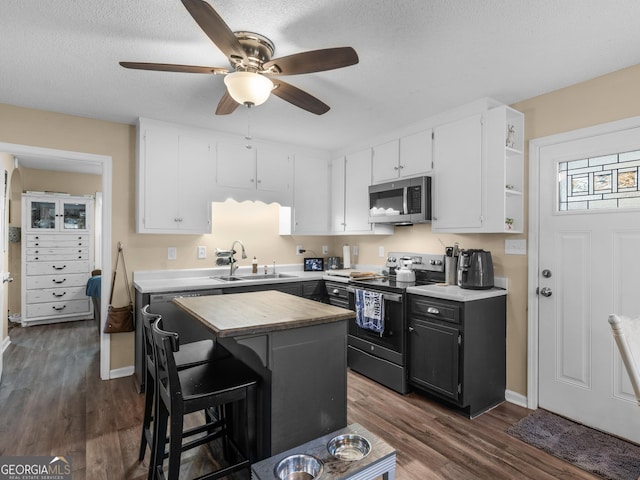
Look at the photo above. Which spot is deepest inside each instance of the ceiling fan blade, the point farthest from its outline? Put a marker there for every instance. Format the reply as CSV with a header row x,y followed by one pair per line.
x,y
299,98
215,27
312,61
226,105
169,67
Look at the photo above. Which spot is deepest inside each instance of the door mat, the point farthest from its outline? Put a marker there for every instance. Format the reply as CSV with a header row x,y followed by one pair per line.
x,y
587,448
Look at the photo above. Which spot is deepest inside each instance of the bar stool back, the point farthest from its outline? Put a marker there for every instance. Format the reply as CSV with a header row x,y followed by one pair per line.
x,y
190,354
203,387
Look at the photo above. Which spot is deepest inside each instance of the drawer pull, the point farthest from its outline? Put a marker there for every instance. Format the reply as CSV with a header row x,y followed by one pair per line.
x,y
59,268
336,291
60,281
59,308
59,294
433,310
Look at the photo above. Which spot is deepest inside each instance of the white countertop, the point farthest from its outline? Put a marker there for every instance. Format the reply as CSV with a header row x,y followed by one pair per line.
x,y
453,292
159,281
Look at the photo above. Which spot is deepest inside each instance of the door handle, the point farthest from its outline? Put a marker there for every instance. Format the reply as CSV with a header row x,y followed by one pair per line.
x,y
546,292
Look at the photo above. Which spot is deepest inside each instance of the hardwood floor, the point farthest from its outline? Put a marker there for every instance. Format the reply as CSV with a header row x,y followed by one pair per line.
x,y
52,402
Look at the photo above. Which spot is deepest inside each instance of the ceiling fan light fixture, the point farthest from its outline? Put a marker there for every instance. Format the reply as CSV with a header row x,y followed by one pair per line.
x,y
248,88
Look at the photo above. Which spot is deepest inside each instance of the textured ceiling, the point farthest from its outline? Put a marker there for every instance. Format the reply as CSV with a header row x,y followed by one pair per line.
x,y
417,58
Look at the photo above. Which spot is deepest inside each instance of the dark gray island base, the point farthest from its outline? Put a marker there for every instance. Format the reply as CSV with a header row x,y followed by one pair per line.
x,y
299,349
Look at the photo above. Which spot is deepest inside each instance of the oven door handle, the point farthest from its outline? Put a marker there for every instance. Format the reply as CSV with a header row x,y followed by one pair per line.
x,y
390,297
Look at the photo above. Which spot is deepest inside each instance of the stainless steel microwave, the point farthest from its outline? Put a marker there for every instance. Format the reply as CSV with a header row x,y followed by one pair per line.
x,y
403,202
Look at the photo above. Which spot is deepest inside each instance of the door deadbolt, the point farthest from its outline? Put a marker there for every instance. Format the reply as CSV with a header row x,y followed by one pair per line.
x,y
546,273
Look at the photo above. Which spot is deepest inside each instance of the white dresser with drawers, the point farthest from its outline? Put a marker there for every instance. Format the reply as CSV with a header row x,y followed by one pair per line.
x,y
57,257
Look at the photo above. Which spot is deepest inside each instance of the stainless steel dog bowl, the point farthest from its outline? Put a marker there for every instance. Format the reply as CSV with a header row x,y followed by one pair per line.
x,y
349,448
298,467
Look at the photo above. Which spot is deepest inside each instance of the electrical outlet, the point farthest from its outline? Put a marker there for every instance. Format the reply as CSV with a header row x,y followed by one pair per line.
x,y
381,251
325,250
299,249
354,250
172,253
202,252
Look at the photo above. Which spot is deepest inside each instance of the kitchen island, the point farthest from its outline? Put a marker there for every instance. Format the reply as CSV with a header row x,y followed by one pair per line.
x,y
299,349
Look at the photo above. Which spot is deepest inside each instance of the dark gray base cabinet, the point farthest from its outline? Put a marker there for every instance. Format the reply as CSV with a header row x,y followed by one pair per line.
x,y
457,351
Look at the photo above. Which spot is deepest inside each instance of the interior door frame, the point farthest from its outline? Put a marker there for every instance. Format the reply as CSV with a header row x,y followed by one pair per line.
x,y
535,147
79,161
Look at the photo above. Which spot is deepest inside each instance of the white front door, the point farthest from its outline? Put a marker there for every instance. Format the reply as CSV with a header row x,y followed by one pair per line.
x,y
589,239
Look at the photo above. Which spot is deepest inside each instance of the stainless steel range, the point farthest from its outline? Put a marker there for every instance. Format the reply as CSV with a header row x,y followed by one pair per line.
x,y
378,351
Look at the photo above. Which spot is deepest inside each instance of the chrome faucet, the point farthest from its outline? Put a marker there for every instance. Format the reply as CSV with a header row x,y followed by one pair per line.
x,y
232,264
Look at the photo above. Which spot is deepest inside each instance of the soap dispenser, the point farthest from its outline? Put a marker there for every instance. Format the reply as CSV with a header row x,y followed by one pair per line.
x,y
254,265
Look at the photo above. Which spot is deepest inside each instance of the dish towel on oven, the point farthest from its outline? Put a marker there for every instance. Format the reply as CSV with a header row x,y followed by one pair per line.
x,y
370,310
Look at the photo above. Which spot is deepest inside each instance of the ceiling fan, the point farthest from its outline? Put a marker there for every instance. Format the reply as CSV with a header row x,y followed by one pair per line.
x,y
254,74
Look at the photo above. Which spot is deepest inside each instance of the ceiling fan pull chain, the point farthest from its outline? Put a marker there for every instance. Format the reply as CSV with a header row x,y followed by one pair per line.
x,y
248,136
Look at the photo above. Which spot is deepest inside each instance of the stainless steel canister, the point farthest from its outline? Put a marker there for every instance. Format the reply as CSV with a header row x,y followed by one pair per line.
x,y
451,270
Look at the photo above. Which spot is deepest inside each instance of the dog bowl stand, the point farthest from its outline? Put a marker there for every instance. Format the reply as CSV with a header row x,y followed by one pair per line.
x,y
381,460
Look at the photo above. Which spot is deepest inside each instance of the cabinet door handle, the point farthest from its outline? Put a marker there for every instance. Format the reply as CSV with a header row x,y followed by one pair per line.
x,y
433,310
411,329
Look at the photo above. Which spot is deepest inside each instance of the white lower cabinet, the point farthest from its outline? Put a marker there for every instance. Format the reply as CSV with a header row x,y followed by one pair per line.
x,y
55,270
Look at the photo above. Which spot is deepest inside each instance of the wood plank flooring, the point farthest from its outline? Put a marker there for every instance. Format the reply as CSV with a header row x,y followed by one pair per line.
x,y
52,402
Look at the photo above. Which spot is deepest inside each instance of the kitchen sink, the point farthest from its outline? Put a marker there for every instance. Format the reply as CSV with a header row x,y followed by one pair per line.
x,y
257,276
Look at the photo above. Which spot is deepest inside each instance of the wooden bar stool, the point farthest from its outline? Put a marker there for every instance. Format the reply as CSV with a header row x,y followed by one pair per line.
x,y
204,387
190,354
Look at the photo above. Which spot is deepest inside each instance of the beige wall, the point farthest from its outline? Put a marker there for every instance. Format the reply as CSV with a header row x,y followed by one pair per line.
x,y
612,97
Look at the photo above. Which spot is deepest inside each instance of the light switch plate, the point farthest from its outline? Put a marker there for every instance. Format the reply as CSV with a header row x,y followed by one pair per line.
x,y
381,251
515,246
325,250
202,252
172,253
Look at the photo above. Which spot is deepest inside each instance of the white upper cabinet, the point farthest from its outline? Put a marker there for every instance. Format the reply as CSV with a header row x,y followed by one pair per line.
x,y
264,172
505,170
337,221
350,180
409,156
310,212
457,168
175,180
386,162
236,166
416,154
479,173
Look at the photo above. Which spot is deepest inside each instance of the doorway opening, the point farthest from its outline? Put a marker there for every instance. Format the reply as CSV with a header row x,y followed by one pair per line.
x,y
79,162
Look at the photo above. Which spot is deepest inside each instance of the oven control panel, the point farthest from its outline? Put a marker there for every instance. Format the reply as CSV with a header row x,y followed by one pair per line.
x,y
416,261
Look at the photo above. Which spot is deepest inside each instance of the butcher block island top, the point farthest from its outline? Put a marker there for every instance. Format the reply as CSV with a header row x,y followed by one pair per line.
x,y
252,313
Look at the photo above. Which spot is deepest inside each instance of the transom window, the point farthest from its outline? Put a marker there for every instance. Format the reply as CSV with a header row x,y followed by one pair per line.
x,y
605,182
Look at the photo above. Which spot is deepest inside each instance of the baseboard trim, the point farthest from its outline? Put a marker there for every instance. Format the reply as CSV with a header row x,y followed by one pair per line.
x,y
121,372
516,398
5,343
